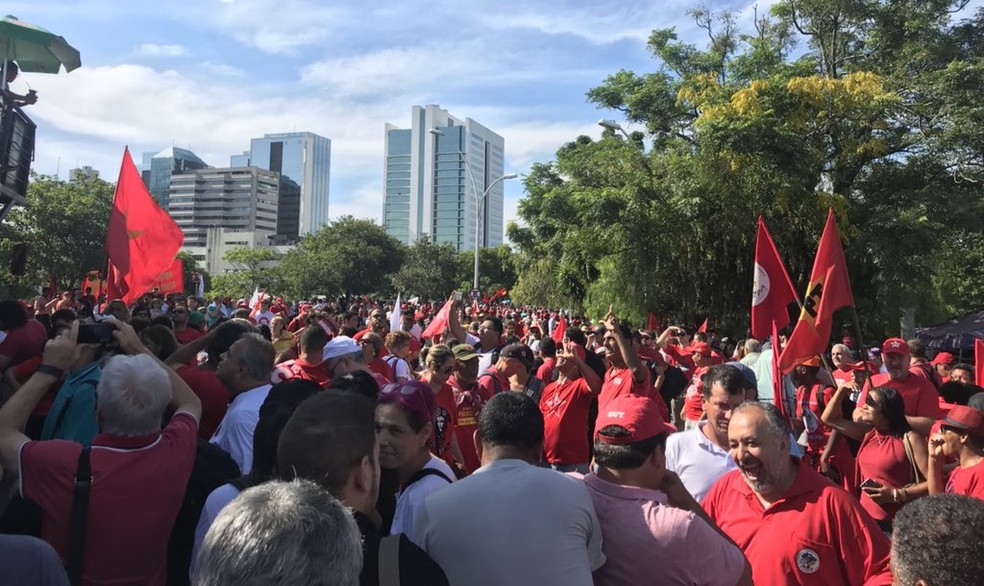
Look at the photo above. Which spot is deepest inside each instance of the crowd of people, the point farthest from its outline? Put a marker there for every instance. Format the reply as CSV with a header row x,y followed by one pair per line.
x,y
215,441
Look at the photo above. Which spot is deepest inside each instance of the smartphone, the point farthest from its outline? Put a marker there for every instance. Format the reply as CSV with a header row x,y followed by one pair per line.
x,y
870,483
101,333
457,296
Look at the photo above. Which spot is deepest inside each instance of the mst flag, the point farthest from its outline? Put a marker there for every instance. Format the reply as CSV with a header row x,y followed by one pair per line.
x,y
828,291
560,331
440,321
142,239
772,290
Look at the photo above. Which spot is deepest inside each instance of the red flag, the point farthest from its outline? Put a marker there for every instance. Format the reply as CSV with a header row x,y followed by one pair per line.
x,y
828,291
474,313
703,326
979,361
142,239
440,322
652,324
172,279
560,331
772,290
778,396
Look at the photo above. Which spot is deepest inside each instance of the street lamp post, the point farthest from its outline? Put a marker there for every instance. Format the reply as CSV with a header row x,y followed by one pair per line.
x,y
479,200
613,126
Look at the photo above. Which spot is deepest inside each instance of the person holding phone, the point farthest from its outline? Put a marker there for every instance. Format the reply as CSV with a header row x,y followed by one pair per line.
x,y
892,460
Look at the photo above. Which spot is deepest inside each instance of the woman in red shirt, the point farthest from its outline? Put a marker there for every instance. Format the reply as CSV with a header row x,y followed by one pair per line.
x,y
439,366
885,474
961,437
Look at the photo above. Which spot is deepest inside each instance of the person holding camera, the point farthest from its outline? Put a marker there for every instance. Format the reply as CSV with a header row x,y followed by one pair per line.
x,y
108,508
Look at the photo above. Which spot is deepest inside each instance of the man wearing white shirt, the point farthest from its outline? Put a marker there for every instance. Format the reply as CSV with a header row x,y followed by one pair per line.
x,y
245,370
700,456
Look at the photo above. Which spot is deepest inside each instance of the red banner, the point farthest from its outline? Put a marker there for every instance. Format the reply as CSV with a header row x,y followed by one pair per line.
x,y
772,290
171,280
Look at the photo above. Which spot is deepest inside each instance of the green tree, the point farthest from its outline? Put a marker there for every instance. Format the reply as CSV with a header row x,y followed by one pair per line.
x,y
428,270
254,263
874,118
348,255
496,268
64,226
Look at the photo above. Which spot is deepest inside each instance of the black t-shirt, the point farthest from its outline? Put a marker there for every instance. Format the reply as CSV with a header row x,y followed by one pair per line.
x,y
416,567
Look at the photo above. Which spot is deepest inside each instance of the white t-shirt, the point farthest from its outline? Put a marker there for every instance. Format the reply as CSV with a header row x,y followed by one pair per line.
x,y
216,501
410,499
235,432
698,461
263,318
401,368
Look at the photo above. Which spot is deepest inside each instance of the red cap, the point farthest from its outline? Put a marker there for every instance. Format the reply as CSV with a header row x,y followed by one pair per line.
x,y
966,419
639,415
944,358
864,365
305,307
813,361
895,346
702,348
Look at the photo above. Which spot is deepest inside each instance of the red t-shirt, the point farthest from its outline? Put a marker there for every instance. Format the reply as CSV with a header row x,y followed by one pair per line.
x,y
919,396
138,486
815,534
24,342
298,368
444,427
467,405
492,382
619,382
968,481
882,458
379,366
693,401
546,370
565,408
381,381
843,376
213,394
679,357
187,335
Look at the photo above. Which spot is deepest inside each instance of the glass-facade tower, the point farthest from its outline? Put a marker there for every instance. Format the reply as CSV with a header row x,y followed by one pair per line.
x,y
170,161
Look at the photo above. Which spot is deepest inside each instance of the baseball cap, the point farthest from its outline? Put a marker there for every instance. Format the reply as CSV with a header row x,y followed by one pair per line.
x,y
305,307
413,397
812,361
638,415
874,352
966,419
702,348
464,352
340,346
895,346
519,352
943,358
745,371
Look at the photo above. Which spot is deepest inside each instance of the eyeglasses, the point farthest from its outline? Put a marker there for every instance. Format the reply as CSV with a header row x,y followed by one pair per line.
x,y
405,390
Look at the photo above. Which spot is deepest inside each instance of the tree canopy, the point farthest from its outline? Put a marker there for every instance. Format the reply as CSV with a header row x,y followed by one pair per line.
x,y
869,107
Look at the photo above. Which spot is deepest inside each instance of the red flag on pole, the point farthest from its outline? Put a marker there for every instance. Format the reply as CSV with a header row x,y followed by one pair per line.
x,y
772,290
703,326
440,321
142,239
172,279
652,324
777,392
560,331
828,291
979,361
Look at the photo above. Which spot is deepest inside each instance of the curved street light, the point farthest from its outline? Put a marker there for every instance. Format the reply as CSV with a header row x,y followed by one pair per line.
x,y
613,126
479,199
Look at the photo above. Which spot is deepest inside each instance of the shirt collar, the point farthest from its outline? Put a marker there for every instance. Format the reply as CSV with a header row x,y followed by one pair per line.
x,y
623,491
108,440
802,484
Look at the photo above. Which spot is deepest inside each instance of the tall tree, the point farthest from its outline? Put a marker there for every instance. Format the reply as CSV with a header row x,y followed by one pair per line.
x,y
428,270
254,263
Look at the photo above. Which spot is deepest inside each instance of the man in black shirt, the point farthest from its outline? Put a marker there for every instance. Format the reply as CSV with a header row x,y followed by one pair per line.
x,y
331,439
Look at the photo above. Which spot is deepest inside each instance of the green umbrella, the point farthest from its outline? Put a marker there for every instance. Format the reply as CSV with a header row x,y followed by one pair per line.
x,y
35,49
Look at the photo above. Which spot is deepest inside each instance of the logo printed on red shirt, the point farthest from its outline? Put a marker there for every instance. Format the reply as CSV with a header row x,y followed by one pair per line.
x,y
808,561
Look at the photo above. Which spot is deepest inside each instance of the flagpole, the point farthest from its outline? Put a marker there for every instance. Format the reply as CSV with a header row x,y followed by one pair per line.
x,y
864,355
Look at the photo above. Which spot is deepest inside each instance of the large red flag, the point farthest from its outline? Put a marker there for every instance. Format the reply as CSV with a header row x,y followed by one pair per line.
x,y
979,361
828,291
142,239
440,321
772,290
560,331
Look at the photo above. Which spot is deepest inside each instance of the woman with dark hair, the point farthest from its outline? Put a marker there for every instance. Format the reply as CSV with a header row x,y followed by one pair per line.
x,y
159,340
892,461
405,419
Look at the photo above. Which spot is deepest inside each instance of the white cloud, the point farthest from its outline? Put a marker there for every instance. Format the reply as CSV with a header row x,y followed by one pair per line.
x,y
155,50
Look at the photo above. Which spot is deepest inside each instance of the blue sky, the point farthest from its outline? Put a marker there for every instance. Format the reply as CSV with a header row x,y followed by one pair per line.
x,y
208,75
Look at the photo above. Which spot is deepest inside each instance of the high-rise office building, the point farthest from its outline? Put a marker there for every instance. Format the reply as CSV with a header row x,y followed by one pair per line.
x,y
83,173
303,160
243,199
170,161
433,180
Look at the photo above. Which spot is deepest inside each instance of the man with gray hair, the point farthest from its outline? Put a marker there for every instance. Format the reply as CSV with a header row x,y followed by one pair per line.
x,y
135,473
292,533
245,370
840,355
752,349
793,525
